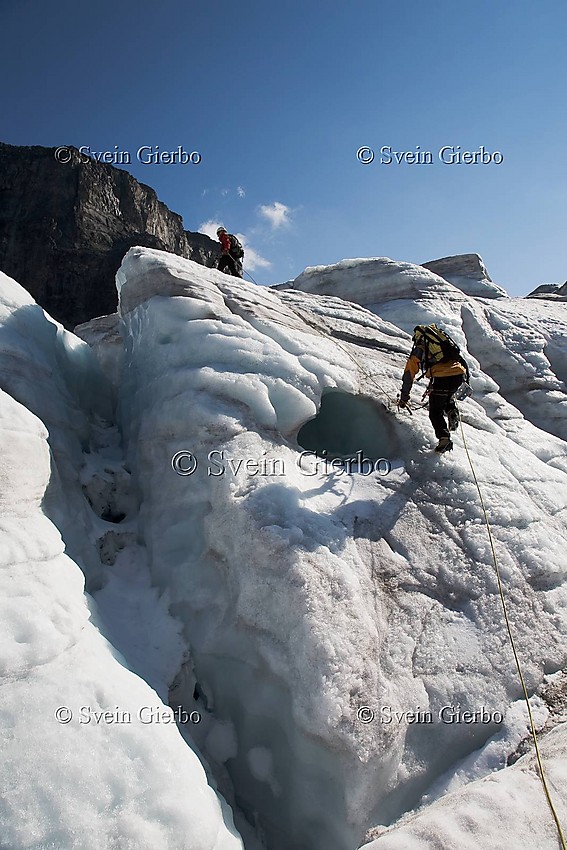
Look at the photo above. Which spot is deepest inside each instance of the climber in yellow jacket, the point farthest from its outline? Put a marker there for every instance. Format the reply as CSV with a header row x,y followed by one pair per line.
x,y
438,356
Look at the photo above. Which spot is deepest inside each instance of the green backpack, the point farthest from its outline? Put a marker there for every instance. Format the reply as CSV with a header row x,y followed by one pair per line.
x,y
437,346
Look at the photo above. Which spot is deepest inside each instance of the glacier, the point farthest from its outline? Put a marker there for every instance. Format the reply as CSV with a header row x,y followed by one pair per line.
x,y
176,539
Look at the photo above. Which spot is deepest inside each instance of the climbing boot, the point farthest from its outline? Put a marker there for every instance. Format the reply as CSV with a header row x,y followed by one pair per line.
x,y
445,444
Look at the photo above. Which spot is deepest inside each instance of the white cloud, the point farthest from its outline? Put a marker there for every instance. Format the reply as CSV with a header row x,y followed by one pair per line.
x,y
277,214
252,259
240,191
209,228
225,192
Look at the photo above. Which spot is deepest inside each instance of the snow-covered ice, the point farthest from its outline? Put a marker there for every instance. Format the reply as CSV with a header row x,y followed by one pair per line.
x,y
103,777
504,809
324,624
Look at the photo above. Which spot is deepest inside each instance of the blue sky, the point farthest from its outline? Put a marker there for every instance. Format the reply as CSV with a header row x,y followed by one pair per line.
x,y
278,97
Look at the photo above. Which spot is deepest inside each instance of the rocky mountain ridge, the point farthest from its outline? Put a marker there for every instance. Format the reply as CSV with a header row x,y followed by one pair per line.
x,y
65,227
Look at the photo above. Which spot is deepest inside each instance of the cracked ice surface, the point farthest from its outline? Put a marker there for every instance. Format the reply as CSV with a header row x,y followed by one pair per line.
x,y
504,809
302,602
307,597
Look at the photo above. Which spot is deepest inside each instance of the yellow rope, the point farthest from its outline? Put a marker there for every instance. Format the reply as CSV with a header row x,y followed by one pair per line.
x,y
498,576
513,645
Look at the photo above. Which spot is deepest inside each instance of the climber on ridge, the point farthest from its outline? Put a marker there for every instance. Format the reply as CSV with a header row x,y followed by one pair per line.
x,y
440,359
230,260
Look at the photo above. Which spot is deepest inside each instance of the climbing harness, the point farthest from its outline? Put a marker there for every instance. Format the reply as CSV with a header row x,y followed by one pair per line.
x,y
542,775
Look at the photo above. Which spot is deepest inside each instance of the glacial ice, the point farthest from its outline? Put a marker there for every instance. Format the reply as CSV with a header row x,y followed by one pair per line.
x,y
285,607
83,784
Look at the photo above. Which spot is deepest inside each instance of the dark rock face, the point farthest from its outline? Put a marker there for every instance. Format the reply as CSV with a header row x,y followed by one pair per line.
x,y
64,229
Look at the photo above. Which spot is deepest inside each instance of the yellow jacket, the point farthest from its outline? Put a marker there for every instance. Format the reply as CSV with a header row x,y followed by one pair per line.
x,y
444,369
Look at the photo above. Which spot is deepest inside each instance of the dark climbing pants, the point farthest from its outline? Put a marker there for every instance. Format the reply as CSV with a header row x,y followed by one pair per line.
x,y
230,265
440,402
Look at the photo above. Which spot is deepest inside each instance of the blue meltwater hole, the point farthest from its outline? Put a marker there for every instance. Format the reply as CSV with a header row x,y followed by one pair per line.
x,y
347,424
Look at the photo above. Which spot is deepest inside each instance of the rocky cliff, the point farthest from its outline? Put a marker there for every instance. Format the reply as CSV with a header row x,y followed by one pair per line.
x,y
65,227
